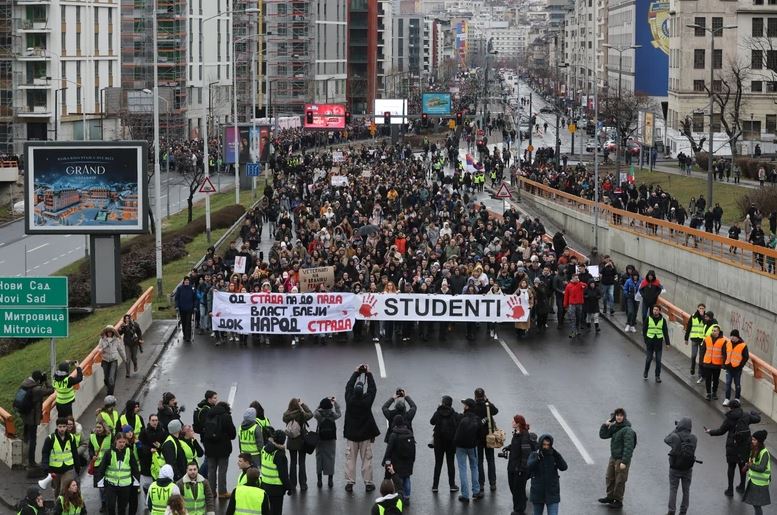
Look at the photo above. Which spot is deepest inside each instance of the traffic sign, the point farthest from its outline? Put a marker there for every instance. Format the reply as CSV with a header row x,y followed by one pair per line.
x,y
572,128
253,169
34,322
39,292
503,191
530,148
206,186
33,307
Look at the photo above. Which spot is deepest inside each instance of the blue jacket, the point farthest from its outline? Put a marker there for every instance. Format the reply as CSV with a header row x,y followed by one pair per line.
x,y
185,298
544,469
630,288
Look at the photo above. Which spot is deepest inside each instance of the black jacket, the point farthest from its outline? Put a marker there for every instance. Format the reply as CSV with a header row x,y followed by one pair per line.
x,y
519,449
544,467
148,437
665,328
407,414
359,423
123,455
221,446
175,457
403,466
736,427
681,434
480,411
591,298
283,470
47,446
265,503
444,415
468,430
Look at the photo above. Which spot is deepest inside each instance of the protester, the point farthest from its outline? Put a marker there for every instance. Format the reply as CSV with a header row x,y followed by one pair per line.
x,y
275,471
70,502
694,330
486,410
445,420
736,427
543,467
623,440
737,356
656,334
133,342
359,429
64,384
517,452
326,414
118,473
682,457
111,350
400,453
217,435
29,404
60,456
713,360
250,497
466,439
759,474
296,418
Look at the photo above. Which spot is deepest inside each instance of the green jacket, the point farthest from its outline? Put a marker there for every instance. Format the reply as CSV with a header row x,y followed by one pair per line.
x,y
623,440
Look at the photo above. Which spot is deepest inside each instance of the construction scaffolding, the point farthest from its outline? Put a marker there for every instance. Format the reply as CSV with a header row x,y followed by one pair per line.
x,y
6,76
247,47
289,37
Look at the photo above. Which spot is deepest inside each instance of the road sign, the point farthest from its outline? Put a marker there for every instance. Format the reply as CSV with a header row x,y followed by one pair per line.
x,y
503,191
253,169
207,186
530,148
33,307
572,128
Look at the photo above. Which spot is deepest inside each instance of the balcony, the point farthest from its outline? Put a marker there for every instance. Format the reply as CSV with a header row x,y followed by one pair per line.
x,y
34,25
37,83
34,111
33,2
34,54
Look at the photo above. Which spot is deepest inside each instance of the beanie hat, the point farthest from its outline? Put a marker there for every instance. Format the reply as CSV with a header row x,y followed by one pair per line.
x,y
249,415
325,404
32,493
127,429
760,435
734,404
110,400
735,332
447,400
37,376
174,427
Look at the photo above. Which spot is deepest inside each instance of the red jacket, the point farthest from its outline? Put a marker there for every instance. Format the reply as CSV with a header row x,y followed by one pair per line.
x,y
573,293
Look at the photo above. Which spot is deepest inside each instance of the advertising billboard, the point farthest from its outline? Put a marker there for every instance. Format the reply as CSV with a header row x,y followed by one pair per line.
x,y
436,104
396,106
85,188
252,143
652,58
325,116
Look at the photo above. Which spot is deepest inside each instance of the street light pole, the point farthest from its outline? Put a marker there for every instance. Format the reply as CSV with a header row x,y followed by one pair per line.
x,y
620,145
253,134
157,171
558,113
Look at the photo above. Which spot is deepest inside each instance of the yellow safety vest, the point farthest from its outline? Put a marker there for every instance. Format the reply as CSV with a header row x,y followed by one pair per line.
x,y
119,473
157,462
249,500
61,457
243,479
708,331
159,496
269,469
382,510
248,440
655,330
195,503
100,449
73,510
765,477
136,427
188,451
65,393
697,328
110,419
170,438
734,353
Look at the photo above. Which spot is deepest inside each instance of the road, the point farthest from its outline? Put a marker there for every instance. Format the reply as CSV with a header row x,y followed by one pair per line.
x,y
42,255
569,387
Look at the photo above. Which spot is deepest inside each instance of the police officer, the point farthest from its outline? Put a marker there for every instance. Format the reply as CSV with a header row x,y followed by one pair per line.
x,y
694,331
119,474
249,498
63,384
274,470
161,490
656,334
737,355
60,455
197,494
714,358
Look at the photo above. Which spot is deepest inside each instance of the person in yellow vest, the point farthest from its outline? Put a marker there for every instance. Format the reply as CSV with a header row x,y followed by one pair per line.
x,y
713,360
250,435
160,491
263,421
192,450
132,445
197,494
245,462
32,504
82,449
60,456
389,501
250,498
131,417
694,331
655,331
99,443
759,474
70,502
275,471
737,355
172,451
64,385
119,475
109,414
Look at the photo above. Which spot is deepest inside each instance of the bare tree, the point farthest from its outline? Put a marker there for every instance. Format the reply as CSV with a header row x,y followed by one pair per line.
x,y
623,113
686,128
189,167
729,101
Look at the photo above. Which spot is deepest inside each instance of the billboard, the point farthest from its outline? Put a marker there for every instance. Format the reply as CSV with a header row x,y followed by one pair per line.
x,y
396,106
325,116
436,104
85,188
252,143
652,58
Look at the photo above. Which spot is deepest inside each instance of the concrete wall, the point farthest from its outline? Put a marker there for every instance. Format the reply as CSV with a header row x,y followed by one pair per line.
x,y
740,299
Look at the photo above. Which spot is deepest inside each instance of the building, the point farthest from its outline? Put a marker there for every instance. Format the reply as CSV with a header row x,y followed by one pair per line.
x,y
412,52
331,38
370,30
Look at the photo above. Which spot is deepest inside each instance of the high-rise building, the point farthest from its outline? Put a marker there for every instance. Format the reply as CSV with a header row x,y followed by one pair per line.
x,y
369,52
331,39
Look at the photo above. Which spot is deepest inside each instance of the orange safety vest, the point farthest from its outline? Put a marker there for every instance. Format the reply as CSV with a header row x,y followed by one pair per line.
x,y
713,353
734,353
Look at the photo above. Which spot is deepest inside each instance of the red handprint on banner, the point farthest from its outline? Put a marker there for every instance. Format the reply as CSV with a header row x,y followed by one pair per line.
x,y
514,302
368,303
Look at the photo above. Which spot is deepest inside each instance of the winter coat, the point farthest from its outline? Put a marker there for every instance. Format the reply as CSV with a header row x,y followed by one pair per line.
x,y
622,438
468,430
408,414
519,449
124,455
574,294
131,333
591,298
758,495
650,290
403,466
480,411
736,427
148,437
301,416
185,483
360,424
544,467
630,288
38,392
282,463
185,298
112,348
609,275
444,415
326,450
221,446
525,326
681,434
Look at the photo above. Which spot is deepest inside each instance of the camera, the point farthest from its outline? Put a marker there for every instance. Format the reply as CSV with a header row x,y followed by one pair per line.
x,y
362,368
503,454
400,392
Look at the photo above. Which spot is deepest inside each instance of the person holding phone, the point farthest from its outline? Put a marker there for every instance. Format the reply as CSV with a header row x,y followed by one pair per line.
x,y
544,465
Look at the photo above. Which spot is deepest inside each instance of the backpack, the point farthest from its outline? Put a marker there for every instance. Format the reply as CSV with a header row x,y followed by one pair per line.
x,y
327,430
685,457
404,447
446,428
22,401
293,429
199,412
211,429
741,435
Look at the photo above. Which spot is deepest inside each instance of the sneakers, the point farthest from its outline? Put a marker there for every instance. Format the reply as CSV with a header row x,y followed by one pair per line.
x,y
478,496
644,376
454,488
463,499
693,372
633,329
605,500
616,504
490,333
435,489
369,487
700,380
658,379
627,328
496,337
741,489
596,325
729,492
725,402
349,487
708,397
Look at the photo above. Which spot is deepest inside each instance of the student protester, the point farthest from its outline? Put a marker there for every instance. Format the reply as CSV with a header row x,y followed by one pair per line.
x,y
445,419
623,440
682,458
655,331
544,465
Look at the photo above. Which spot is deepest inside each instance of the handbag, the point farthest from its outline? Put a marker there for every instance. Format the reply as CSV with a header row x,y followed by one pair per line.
x,y
310,441
495,439
91,467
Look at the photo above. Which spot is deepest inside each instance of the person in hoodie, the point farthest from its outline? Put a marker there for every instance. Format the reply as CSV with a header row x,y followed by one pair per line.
x,y
64,384
196,492
168,409
326,414
111,350
360,428
218,446
172,451
623,439
630,289
736,427
131,417
683,446
466,440
655,332
543,467
400,453
161,490
403,406
445,419
251,438
574,298
38,389
32,504
650,288
275,471
591,297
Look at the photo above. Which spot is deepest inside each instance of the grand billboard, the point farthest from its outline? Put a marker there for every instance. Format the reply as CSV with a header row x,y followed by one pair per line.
x,y
252,143
652,58
396,106
85,188
436,104
325,116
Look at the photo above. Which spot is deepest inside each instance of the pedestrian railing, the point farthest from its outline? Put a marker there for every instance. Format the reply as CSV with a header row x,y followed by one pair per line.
x,y
94,357
737,253
9,428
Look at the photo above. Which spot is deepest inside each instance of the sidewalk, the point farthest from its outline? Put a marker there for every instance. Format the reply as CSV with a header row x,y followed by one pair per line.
x,y
665,168
161,333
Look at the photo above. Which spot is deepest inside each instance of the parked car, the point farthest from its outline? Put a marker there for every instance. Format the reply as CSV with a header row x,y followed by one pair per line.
x,y
546,110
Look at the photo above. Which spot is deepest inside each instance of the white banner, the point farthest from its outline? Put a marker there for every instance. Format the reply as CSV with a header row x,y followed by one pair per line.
x,y
444,308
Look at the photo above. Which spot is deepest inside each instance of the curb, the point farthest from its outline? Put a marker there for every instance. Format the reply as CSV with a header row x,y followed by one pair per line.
x,y
9,222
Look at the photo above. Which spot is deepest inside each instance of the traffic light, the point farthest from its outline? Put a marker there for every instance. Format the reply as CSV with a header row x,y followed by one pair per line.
x,y
387,117
424,119
347,117
459,118
309,117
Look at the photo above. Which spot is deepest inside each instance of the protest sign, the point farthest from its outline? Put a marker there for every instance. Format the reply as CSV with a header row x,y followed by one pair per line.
x,y
310,278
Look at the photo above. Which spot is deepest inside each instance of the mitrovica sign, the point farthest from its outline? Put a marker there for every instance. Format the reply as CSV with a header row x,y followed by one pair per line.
x,y
34,322
39,292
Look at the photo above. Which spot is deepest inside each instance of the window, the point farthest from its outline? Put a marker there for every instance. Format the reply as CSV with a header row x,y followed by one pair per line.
x,y
717,59
758,2
771,86
758,27
756,86
96,42
756,59
771,27
702,24
78,15
698,122
716,122
698,85
717,26
717,86
698,58
771,123
771,59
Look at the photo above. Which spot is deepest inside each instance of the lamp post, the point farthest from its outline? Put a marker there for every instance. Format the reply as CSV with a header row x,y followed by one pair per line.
x,y
713,33
167,143
620,50
102,112
157,171
83,104
558,113
56,112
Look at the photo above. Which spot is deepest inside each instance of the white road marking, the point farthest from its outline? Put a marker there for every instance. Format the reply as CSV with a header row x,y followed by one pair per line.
x,y
67,236
18,275
513,357
70,251
2,243
54,258
381,363
38,247
232,392
572,436
36,267
44,263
